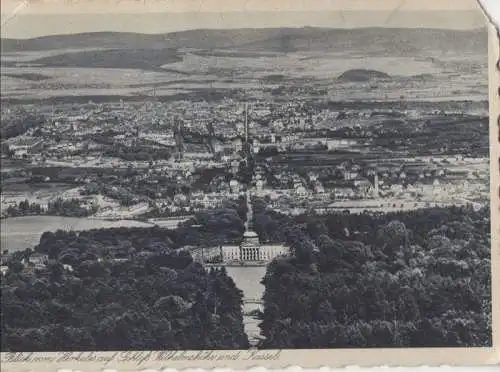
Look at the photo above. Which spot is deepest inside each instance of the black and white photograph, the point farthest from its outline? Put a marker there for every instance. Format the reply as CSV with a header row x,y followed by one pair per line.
x,y
252,181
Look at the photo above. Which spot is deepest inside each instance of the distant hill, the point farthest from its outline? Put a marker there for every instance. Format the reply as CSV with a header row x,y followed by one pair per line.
x,y
114,40
386,41
359,75
145,59
423,77
29,76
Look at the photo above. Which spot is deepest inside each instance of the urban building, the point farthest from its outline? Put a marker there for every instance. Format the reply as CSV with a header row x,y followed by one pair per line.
x,y
250,248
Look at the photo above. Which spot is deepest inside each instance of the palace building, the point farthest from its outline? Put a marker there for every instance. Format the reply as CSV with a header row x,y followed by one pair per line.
x,y
250,247
250,250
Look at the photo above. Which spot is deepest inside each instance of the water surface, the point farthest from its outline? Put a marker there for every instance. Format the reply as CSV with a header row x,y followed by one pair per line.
x,y
19,233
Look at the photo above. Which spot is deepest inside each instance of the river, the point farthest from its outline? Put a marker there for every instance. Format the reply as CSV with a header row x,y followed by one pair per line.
x,y
19,233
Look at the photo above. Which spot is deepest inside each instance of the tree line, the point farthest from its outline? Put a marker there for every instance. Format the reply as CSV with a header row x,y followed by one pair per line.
x,y
57,207
406,279
371,281
123,289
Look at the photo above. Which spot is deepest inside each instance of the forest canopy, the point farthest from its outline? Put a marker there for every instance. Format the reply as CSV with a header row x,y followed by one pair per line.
x,y
122,289
406,279
371,281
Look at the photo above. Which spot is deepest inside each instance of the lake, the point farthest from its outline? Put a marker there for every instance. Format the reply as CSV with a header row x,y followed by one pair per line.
x,y
19,233
247,278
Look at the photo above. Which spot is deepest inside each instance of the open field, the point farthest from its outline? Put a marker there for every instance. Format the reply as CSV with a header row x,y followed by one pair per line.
x,y
267,61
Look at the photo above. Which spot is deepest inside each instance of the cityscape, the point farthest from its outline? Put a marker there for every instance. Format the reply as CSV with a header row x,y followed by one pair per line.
x,y
246,189
303,158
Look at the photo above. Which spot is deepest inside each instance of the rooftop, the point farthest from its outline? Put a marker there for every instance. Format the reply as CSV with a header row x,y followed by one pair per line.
x,y
250,234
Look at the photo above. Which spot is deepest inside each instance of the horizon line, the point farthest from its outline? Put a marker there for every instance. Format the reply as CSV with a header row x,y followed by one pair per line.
x,y
30,25
388,27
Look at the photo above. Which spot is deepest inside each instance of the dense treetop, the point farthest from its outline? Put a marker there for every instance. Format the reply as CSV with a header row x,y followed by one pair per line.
x,y
407,279
370,281
124,289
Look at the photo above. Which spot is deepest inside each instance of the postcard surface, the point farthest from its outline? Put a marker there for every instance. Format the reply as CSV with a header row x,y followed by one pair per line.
x,y
238,184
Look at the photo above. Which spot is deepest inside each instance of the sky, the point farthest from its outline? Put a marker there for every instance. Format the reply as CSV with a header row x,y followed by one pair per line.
x,y
27,21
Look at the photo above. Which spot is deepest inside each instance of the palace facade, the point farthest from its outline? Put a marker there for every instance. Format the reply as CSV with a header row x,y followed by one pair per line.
x,y
249,250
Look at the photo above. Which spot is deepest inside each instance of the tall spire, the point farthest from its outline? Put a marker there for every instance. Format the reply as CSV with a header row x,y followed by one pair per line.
x,y
179,139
